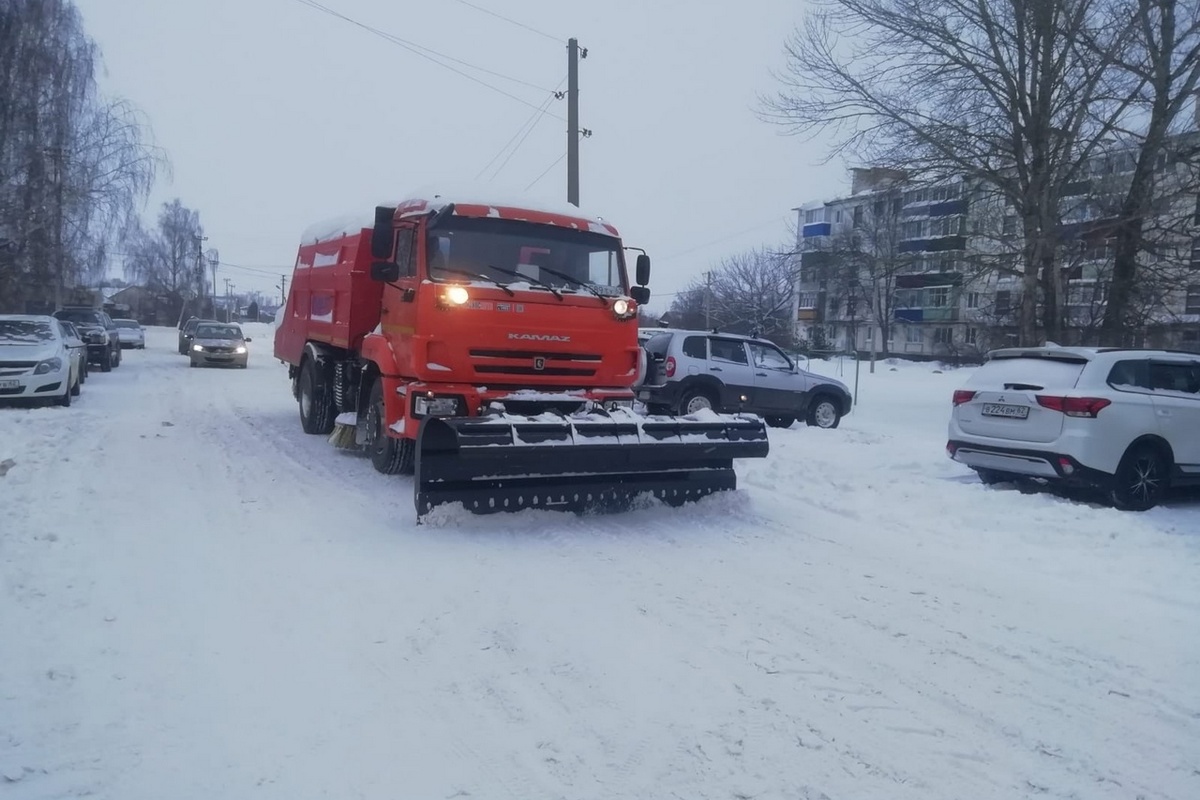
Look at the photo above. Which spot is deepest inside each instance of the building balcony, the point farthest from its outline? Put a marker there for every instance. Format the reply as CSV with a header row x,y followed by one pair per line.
x,y
816,229
936,244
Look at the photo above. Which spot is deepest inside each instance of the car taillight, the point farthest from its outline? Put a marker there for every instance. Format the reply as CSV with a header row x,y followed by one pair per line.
x,y
963,396
670,366
1074,406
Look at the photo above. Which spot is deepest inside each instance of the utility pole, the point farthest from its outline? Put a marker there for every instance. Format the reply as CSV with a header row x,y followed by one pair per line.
x,y
573,132
282,290
227,319
708,301
199,276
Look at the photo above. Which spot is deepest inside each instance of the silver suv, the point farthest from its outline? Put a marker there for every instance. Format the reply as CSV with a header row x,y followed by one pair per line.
x,y
690,371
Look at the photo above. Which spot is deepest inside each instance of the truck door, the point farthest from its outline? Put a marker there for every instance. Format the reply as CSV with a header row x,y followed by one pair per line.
x,y
400,307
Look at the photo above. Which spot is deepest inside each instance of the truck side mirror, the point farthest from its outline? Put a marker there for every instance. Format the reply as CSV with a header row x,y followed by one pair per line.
x,y
382,235
643,270
641,294
385,271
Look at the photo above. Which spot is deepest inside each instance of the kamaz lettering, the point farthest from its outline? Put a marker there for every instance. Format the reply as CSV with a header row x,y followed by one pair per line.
x,y
539,337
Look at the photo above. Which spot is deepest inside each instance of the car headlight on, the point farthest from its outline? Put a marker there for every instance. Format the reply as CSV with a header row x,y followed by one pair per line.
x,y
196,348
240,349
456,295
622,308
49,365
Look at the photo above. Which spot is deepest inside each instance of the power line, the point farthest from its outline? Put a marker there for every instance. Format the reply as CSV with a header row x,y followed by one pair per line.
x,y
547,170
511,21
725,238
417,49
527,126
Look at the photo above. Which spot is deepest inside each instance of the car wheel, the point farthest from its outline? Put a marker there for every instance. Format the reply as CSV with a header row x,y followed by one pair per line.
x,y
389,455
192,363
117,356
824,412
75,388
316,401
106,365
1140,481
695,401
780,422
65,400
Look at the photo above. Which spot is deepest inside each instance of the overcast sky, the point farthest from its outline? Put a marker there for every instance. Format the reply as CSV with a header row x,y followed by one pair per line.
x,y
276,115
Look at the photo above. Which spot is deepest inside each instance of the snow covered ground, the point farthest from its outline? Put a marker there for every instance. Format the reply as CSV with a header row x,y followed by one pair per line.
x,y
199,601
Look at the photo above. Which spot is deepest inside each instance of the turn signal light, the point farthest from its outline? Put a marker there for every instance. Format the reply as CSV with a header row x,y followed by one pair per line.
x,y
1075,406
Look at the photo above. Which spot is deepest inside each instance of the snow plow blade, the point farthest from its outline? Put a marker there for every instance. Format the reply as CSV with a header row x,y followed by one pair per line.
x,y
598,462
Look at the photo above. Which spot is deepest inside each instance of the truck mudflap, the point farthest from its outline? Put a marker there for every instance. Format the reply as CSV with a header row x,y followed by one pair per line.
x,y
597,461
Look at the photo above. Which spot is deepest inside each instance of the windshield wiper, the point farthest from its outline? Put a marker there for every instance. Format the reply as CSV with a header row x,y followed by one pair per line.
x,y
533,281
576,281
478,276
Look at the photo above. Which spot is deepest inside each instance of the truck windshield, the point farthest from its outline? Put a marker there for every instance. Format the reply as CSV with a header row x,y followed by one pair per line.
x,y
508,251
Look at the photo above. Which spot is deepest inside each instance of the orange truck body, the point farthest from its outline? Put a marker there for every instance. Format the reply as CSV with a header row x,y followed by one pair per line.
x,y
467,342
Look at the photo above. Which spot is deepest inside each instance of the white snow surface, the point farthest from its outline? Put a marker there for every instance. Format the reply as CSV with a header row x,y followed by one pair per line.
x,y
197,600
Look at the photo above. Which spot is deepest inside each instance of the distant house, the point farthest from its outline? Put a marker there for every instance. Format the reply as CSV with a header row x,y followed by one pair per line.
x,y
148,306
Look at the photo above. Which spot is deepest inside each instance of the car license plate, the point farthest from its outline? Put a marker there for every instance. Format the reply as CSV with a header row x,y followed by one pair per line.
x,y
999,410
9,384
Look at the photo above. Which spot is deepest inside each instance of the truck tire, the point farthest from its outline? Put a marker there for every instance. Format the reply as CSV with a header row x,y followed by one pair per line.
x,y
316,400
389,455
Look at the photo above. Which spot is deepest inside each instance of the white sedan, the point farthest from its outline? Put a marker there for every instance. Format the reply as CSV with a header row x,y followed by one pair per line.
x,y
131,333
35,360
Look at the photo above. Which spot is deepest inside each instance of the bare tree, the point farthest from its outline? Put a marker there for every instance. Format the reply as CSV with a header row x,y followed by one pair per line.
x,y
1000,93
1163,70
73,166
748,293
166,258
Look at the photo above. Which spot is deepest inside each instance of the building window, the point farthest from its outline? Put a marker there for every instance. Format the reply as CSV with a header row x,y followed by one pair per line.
x,y
913,334
939,297
837,216
1010,224
971,336
946,265
908,298
972,299
912,229
808,300
943,336
1195,261
858,216
1003,303
1192,305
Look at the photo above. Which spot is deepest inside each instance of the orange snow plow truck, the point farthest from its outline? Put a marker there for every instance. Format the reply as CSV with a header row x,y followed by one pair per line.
x,y
491,351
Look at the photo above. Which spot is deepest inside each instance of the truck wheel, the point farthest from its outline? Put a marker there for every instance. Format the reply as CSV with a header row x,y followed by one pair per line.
x,y
316,401
388,455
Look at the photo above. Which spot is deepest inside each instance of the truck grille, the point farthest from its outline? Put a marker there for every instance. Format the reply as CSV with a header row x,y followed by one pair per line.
x,y
527,362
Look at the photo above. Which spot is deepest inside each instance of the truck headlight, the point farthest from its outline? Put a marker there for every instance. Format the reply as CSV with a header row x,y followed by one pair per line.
x,y
49,365
621,308
197,348
456,295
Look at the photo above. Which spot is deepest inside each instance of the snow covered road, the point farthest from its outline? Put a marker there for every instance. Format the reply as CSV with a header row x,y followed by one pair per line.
x,y
199,601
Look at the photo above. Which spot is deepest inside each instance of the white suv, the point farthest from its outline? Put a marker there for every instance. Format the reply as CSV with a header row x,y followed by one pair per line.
x,y
1125,421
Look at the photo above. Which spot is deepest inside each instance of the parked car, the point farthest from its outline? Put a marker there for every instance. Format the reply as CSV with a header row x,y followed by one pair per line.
x,y
219,344
689,371
185,333
1124,421
130,333
77,346
99,332
35,360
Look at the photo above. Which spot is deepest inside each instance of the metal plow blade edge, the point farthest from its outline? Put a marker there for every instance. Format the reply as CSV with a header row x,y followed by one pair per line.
x,y
597,463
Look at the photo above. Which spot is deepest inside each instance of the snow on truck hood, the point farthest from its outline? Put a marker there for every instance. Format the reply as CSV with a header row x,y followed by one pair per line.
x,y
434,198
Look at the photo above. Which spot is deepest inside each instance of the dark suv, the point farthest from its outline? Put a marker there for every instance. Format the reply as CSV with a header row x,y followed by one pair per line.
x,y
99,333
689,371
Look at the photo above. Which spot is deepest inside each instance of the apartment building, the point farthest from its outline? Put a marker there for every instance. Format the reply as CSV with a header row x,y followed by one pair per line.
x,y
930,271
